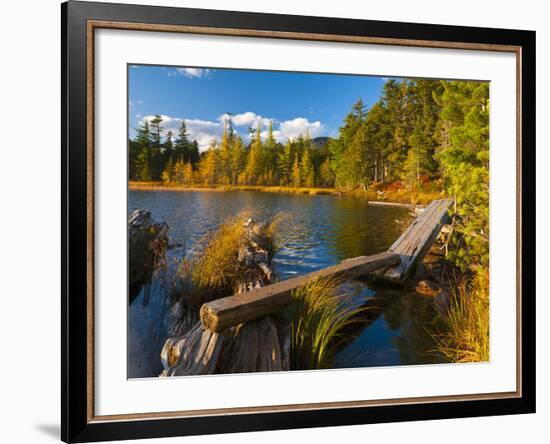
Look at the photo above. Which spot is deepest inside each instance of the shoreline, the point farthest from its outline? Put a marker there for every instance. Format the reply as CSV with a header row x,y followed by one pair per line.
x,y
403,199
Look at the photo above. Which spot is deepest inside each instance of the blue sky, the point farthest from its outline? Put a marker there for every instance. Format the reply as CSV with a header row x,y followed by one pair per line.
x,y
295,102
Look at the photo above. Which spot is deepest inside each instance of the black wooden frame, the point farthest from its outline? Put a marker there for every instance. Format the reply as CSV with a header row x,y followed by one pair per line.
x,y
75,423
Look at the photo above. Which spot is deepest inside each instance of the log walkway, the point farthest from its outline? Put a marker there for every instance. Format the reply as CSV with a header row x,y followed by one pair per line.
x,y
417,239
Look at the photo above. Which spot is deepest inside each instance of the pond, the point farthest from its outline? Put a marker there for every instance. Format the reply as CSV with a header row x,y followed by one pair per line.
x,y
319,231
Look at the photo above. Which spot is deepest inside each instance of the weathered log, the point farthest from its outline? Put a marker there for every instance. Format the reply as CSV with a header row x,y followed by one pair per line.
x,y
249,347
233,310
254,258
147,244
418,238
253,347
195,353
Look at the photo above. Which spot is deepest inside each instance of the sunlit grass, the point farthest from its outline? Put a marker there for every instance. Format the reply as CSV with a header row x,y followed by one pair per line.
x,y
318,314
418,197
215,271
466,338
218,265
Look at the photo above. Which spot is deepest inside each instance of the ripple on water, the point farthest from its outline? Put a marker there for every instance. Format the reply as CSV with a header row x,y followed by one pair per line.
x,y
318,231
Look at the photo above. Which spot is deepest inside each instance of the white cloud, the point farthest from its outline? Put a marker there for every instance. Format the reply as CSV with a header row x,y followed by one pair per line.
x,y
246,119
206,131
288,129
203,131
291,129
193,72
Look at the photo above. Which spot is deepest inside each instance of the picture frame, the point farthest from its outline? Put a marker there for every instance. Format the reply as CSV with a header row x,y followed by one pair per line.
x,y
79,179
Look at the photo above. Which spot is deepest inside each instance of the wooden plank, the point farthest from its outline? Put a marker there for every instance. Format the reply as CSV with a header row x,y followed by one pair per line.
x,y
418,238
233,310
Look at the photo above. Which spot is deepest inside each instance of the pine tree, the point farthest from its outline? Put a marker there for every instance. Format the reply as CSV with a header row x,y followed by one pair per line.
x,y
465,162
178,175
270,155
397,100
184,148
140,155
225,155
168,147
326,175
168,172
156,159
284,164
168,162
307,173
156,130
254,166
338,147
411,173
296,179
238,160
354,165
210,164
188,174
145,174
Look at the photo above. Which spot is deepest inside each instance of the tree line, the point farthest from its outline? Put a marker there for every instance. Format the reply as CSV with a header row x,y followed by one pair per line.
x,y
405,136
420,133
229,161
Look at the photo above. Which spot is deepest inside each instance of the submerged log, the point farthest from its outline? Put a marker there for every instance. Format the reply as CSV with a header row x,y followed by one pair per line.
x,y
147,244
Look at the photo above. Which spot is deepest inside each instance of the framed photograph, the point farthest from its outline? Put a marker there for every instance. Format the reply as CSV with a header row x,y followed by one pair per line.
x,y
275,221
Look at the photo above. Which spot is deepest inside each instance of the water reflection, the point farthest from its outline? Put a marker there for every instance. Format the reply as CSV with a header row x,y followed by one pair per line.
x,y
318,231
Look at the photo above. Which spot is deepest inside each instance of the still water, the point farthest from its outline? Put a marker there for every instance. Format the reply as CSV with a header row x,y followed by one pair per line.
x,y
318,231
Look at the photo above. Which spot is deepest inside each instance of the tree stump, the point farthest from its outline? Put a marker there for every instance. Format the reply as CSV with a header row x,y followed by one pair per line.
x,y
249,347
147,244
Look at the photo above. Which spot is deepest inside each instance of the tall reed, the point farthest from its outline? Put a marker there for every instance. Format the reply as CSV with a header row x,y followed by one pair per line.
x,y
466,336
318,314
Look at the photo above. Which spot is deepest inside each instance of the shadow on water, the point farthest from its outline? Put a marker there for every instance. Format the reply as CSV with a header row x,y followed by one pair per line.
x,y
393,329
322,231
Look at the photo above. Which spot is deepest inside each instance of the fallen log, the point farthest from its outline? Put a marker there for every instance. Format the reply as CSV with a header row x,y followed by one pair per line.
x,y
233,310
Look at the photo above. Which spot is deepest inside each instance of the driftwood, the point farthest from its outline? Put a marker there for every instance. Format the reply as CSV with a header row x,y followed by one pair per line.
x,y
147,244
226,312
253,256
195,353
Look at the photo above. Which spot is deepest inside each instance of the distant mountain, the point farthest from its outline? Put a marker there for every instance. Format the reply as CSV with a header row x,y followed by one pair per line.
x,y
320,142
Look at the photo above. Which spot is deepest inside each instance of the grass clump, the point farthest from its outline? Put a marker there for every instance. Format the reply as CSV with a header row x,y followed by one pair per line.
x,y
218,265
215,271
318,315
466,336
